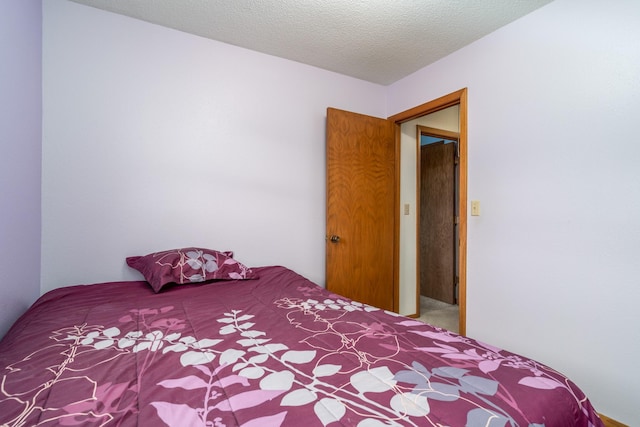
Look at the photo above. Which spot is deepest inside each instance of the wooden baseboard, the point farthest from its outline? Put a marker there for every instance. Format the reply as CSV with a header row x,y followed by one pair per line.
x,y
609,422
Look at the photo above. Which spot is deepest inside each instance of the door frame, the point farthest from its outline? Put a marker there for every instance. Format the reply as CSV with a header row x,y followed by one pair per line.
x,y
455,98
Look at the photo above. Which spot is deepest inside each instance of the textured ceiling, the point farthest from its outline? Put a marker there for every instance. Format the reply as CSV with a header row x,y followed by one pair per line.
x,y
380,41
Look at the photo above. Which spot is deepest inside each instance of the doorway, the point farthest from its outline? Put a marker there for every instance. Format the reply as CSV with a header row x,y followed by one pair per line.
x,y
408,283
436,204
403,238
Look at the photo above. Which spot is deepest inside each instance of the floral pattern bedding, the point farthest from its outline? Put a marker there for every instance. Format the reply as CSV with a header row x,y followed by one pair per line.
x,y
276,351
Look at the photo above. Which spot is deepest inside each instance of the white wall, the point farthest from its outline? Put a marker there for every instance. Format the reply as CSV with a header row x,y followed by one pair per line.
x,y
20,147
554,260
155,139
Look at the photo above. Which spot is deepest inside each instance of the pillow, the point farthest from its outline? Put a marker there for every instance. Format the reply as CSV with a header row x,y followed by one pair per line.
x,y
189,265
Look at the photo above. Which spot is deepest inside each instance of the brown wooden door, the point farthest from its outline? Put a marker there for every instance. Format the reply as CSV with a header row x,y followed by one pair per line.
x,y
437,221
361,207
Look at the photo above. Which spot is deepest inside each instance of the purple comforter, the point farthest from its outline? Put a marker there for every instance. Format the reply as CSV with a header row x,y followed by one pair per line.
x,y
274,351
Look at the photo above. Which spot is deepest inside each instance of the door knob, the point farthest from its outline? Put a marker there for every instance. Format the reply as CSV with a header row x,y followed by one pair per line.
x,y
334,239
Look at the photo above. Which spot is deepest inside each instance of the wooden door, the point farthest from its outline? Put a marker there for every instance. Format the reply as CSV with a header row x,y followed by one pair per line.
x,y
361,207
437,221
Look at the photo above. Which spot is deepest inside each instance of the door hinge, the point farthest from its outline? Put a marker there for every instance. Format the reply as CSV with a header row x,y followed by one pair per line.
x,y
456,219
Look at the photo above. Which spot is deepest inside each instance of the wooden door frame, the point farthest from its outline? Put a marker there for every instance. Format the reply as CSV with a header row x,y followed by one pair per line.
x,y
456,98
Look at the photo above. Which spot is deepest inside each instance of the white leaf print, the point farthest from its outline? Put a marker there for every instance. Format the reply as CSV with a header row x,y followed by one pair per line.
x,y
144,345
299,357
245,317
226,330
194,263
329,410
89,338
410,404
298,398
194,259
206,343
230,356
269,348
211,264
239,366
225,320
252,334
376,380
155,340
111,332
154,335
247,325
249,342
253,372
282,380
259,359
326,370
196,358
486,418
172,337
176,347
124,343
102,344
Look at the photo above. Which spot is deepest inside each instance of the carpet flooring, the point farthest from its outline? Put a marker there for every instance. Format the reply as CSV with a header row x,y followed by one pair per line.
x,y
438,313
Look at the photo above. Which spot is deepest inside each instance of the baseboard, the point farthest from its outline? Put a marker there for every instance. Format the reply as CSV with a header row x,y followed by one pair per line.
x,y
609,422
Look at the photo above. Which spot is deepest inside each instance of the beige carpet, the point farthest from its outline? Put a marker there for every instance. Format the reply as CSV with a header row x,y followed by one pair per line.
x,y
438,313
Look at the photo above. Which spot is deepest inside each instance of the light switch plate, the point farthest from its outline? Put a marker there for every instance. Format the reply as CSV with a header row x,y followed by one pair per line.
x,y
475,208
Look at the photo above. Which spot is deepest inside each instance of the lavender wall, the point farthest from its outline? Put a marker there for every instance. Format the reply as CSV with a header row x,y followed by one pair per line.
x,y
154,139
20,146
553,262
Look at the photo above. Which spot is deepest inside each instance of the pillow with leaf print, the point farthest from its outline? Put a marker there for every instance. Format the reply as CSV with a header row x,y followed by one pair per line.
x,y
189,265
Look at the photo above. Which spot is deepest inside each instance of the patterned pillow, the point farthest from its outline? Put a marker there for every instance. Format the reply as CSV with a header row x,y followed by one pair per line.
x,y
189,265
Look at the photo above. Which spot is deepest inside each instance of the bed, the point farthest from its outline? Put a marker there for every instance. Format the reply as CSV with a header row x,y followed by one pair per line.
x,y
260,347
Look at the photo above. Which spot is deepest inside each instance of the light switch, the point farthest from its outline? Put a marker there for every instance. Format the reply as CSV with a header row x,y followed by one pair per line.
x,y
475,208
406,208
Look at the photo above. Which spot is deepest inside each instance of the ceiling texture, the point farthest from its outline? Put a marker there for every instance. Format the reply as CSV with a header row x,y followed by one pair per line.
x,y
380,41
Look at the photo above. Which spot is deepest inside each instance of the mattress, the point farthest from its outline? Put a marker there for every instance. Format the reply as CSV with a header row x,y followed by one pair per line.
x,y
277,350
